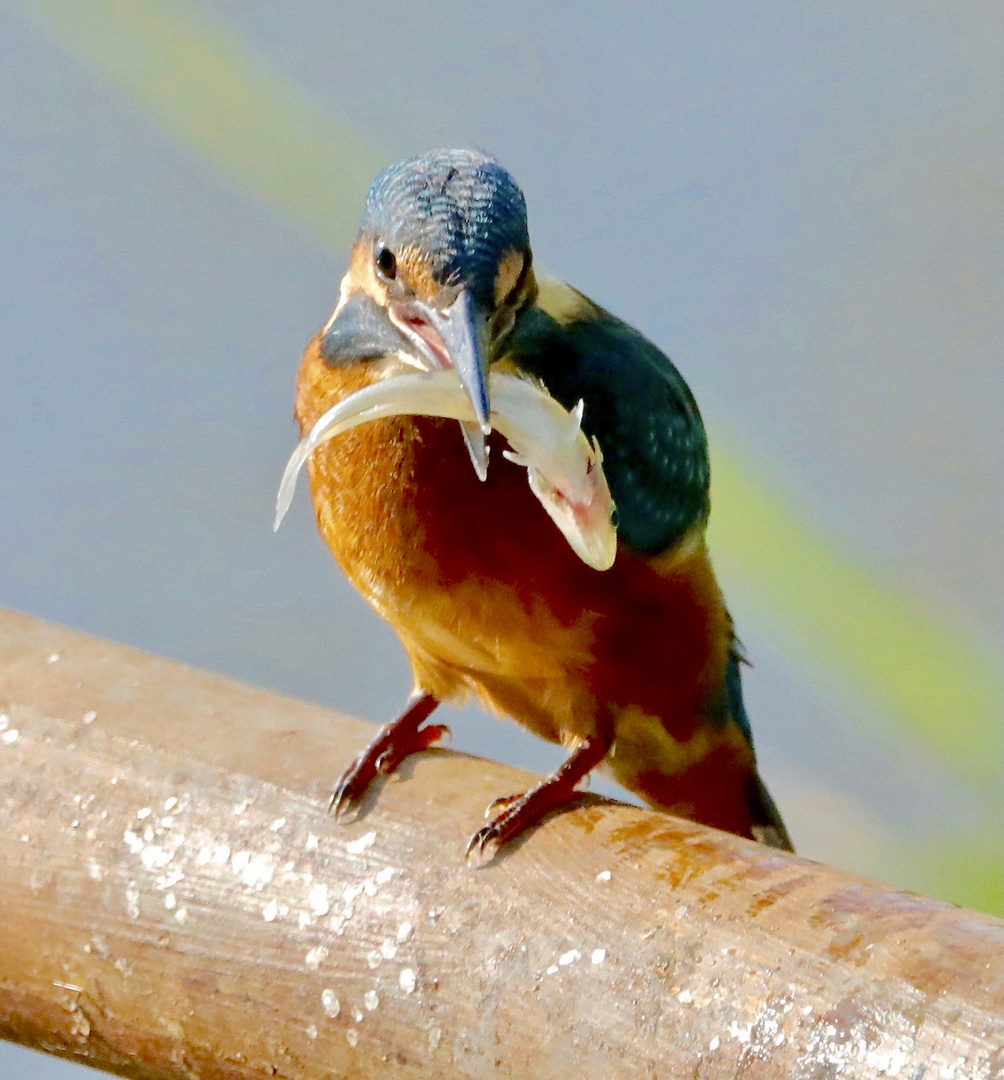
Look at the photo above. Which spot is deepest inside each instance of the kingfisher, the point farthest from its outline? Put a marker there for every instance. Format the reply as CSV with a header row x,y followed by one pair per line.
x,y
517,481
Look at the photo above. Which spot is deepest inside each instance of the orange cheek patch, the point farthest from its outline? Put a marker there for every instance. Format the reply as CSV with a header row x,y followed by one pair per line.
x,y
510,267
362,276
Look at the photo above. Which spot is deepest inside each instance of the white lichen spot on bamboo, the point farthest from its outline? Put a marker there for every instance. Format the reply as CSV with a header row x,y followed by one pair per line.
x,y
330,1004
357,847
258,871
154,857
407,980
317,898
741,1032
316,956
80,1025
170,879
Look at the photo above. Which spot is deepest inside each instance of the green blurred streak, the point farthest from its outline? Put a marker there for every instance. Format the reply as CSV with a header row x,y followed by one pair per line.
x,y
186,70
962,869
183,67
832,612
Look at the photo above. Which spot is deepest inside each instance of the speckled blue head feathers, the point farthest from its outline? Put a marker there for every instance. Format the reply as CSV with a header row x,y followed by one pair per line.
x,y
461,208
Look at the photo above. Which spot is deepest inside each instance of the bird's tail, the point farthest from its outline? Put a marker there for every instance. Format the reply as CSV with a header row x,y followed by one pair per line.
x,y
765,820
767,826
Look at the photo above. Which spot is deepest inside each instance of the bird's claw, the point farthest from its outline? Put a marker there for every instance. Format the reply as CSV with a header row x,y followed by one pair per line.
x,y
381,758
479,842
504,826
349,789
503,802
521,812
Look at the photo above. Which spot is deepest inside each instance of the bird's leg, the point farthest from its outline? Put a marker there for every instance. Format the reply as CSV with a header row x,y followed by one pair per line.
x,y
522,811
394,742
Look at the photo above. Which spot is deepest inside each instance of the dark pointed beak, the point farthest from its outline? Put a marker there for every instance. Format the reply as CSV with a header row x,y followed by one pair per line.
x,y
463,328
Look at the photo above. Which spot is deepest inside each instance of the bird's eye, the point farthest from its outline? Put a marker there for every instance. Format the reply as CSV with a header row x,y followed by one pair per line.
x,y
386,263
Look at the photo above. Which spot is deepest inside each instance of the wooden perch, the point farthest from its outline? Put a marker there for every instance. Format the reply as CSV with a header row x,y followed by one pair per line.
x,y
175,902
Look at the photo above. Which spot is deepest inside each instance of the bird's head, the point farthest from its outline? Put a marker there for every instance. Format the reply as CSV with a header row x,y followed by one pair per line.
x,y
443,253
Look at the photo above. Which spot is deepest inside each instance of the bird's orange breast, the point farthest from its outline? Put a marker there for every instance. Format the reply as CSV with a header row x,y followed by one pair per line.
x,y
488,597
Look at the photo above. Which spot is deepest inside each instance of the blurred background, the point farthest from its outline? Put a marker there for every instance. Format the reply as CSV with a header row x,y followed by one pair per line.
x,y
801,203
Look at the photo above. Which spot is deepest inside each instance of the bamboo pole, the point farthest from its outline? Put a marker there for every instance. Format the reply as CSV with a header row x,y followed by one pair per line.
x,y
175,902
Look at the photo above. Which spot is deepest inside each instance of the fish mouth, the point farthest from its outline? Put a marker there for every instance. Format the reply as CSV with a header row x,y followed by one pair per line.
x,y
564,467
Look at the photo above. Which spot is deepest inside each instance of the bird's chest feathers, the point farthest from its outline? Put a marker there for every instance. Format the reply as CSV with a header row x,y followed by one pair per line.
x,y
465,570
363,483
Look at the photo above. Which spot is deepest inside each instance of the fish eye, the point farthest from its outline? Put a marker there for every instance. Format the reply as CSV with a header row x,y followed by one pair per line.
x,y
385,262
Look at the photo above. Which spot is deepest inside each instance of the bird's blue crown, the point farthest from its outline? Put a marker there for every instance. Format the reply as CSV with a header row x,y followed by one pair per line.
x,y
461,208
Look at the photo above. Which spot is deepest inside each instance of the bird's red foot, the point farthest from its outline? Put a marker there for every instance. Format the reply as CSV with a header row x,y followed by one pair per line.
x,y
392,745
522,811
